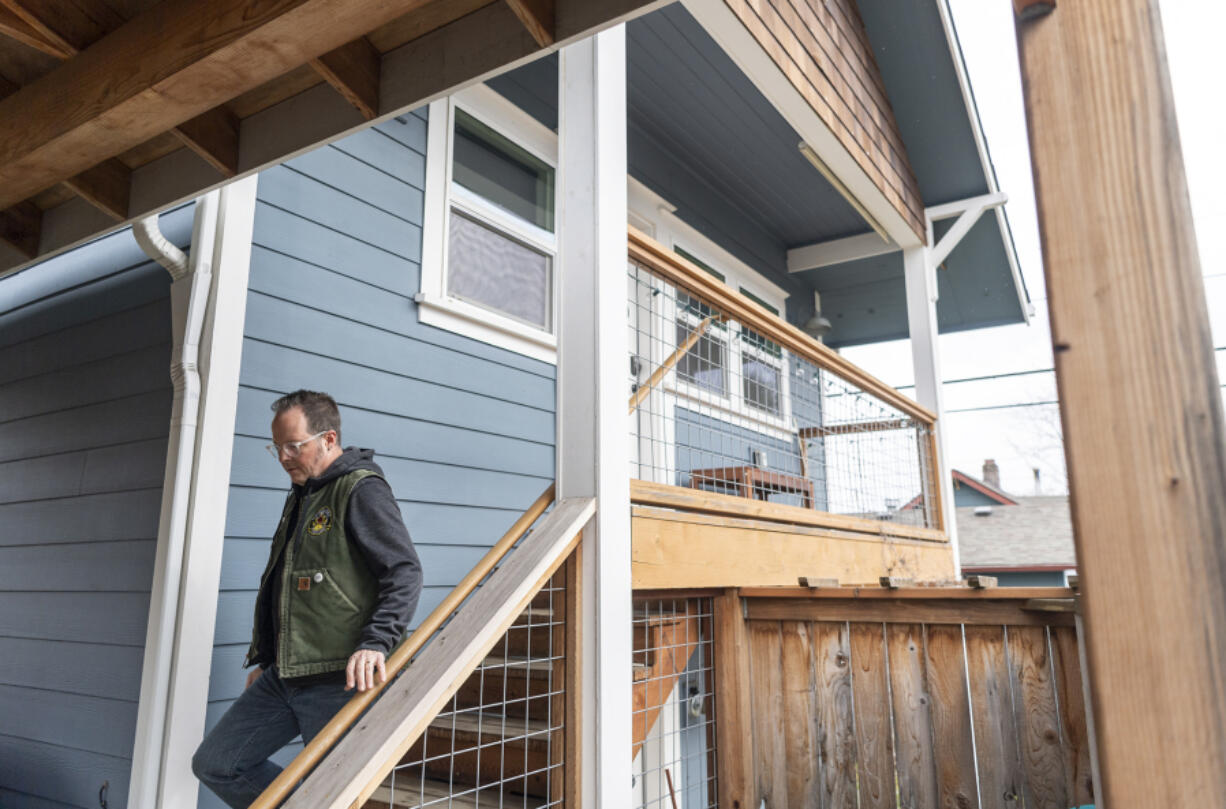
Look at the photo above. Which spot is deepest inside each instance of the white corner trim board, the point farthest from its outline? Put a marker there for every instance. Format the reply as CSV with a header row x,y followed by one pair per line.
x,y
179,642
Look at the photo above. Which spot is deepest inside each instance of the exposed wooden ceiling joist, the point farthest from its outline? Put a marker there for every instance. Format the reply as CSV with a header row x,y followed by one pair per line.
x,y
20,227
107,186
213,136
12,25
353,70
538,17
179,59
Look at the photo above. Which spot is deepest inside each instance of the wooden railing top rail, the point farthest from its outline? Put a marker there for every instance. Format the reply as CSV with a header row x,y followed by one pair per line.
x,y
327,738
677,270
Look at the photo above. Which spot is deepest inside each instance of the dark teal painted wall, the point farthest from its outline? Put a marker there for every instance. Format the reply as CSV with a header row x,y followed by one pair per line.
x,y
85,400
464,431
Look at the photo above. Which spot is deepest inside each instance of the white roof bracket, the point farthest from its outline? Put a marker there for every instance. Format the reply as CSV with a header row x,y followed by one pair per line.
x,y
968,212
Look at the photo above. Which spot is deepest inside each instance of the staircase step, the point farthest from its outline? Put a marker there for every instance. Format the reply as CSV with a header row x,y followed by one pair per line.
x,y
489,745
412,792
515,686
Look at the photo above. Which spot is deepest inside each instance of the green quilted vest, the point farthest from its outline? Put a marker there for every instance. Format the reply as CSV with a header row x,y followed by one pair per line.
x,y
327,591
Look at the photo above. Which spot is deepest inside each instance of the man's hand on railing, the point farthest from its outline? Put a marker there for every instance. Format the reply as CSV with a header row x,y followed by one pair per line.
x,y
361,670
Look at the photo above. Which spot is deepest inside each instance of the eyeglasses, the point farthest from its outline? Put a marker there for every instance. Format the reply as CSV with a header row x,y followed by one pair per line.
x,y
292,449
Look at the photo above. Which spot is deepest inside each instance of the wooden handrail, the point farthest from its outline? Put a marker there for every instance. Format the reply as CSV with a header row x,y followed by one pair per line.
x,y
319,746
677,270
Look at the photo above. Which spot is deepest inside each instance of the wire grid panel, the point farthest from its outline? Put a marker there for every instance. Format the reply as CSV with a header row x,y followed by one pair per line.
x,y
498,742
674,705
724,409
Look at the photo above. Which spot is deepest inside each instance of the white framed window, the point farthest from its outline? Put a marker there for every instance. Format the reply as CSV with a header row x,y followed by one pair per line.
x,y
489,229
731,371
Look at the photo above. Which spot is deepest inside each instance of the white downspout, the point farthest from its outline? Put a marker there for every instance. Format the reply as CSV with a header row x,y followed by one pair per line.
x,y
189,299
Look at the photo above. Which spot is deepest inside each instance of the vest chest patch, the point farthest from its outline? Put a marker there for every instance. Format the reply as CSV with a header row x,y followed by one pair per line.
x,y
304,583
321,522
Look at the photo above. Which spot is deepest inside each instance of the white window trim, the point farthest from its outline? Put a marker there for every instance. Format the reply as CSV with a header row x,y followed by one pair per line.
x,y
658,213
435,306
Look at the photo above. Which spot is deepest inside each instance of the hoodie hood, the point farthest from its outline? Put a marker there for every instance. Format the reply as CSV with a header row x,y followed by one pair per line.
x,y
352,459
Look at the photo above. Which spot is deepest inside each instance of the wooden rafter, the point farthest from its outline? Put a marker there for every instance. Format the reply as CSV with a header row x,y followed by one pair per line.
x,y
353,69
179,61
20,227
214,136
106,186
40,38
538,17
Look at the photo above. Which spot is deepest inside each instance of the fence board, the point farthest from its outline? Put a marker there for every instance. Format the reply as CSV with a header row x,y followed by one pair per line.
x,y
800,713
951,718
874,745
766,697
1079,778
1000,766
915,768
1037,718
831,659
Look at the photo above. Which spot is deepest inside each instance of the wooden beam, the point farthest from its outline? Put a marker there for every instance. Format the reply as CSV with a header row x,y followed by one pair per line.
x,y
704,502
734,744
836,251
107,186
353,69
14,26
933,611
7,87
178,60
69,27
214,136
21,226
755,553
538,17
1140,400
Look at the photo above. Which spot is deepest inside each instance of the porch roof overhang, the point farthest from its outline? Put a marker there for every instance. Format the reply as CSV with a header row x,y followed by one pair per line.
x,y
980,285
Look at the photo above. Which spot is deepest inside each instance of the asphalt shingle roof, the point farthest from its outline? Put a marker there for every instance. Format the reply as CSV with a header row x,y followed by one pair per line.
x,y
1037,531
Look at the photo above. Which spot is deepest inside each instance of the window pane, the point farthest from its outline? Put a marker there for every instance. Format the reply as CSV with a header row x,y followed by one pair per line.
x,y
760,383
505,174
488,268
702,365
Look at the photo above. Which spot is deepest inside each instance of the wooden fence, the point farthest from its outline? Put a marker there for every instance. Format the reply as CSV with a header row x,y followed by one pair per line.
x,y
908,699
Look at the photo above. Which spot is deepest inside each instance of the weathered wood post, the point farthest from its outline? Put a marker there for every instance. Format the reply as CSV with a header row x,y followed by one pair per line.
x,y
1139,394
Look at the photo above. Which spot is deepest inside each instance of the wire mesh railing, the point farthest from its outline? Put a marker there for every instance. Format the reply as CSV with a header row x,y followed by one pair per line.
x,y
728,398
498,741
674,704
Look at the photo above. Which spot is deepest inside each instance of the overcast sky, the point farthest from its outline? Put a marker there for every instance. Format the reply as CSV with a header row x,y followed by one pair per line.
x,y
1022,438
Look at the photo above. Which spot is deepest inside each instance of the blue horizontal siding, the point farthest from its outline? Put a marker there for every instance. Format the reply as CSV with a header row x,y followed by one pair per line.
x,y
463,430
85,400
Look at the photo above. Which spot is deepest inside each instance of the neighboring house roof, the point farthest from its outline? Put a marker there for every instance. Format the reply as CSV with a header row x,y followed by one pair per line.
x,y
961,478
1037,533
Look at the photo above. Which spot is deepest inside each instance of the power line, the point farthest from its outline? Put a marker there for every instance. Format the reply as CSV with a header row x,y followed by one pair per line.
x,y
1006,375
1004,406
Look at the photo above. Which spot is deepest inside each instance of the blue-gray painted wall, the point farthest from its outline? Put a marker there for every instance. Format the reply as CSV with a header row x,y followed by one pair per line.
x,y
464,430
966,496
85,401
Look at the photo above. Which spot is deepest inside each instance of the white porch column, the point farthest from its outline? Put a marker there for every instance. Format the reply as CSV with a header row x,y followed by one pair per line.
x,y
592,424
921,281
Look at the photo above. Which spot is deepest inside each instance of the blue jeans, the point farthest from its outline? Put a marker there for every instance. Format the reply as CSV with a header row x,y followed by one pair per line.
x,y
233,758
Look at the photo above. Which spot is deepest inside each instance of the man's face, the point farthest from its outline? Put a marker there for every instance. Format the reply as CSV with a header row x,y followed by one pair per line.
x,y
313,457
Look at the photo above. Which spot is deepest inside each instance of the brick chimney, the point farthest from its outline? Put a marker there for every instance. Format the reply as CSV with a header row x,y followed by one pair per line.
x,y
991,473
